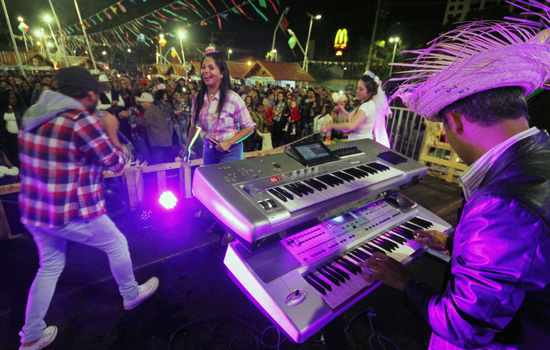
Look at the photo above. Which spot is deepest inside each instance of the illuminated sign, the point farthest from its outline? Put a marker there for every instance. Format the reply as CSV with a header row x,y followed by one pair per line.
x,y
341,39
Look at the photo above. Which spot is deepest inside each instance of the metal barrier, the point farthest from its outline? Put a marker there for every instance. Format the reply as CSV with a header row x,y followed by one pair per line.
x,y
406,131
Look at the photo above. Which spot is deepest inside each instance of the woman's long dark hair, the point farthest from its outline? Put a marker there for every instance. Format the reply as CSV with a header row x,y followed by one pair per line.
x,y
372,87
225,85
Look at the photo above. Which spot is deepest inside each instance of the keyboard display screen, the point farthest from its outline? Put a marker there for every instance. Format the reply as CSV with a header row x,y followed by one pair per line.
x,y
340,220
312,151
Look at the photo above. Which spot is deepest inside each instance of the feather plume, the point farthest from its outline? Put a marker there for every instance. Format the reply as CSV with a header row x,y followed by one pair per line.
x,y
478,56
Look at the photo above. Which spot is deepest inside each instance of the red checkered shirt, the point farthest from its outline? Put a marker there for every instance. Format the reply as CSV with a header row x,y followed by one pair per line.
x,y
225,127
62,163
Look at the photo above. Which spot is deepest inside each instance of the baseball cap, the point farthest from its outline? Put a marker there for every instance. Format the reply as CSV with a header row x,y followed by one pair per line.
x,y
76,81
145,97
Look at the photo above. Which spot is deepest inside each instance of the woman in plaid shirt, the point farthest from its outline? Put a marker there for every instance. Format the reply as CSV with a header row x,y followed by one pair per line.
x,y
219,112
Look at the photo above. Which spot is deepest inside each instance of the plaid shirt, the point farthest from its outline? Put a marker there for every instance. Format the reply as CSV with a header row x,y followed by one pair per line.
x,y
62,163
225,127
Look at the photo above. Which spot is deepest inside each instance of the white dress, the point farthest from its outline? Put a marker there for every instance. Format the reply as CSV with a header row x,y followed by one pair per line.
x,y
365,129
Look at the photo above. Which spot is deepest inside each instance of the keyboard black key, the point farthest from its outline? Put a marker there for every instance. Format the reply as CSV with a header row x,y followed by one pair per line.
x,y
351,264
398,234
354,257
327,180
387,241
339,271
284,193
397,238
346,266
378,166
334,274
383,245
313,184
421,222
329,277
405,231
321,282
294,190
343,176
305,188
335,179
411,226
362,254
315,285
350,173
320,184
356,172
375,248
278,195
368,170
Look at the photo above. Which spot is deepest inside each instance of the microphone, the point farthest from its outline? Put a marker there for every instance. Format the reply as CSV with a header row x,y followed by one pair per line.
x,y
215,143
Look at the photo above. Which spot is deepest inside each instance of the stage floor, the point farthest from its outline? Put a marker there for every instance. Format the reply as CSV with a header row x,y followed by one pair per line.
x,y
197,306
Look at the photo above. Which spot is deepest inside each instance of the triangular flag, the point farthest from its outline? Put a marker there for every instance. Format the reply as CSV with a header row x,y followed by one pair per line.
x,y
292,42
23,27
224,16
107,14
122,8
203,23
263,3
284,24
113,8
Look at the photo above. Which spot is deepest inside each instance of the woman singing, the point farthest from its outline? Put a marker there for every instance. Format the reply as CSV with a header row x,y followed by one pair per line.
x,y
219,112
368,119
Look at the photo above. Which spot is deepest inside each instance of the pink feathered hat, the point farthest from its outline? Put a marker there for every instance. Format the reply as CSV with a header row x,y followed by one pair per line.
x,y
478,56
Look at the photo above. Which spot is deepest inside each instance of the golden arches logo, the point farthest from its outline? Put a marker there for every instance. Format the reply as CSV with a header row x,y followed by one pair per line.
x,y
341,39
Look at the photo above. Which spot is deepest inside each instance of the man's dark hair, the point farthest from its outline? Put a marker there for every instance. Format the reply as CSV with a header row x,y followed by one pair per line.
x,y
489,107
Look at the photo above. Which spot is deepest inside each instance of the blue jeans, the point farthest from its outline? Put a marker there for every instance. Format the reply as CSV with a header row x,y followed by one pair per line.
x,y
213,156
98,232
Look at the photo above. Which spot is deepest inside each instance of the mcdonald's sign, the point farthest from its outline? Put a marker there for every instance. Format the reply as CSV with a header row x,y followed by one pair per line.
x,y
341,39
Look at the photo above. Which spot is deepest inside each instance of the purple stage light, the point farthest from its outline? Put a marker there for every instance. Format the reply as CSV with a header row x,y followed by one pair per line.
x,y
168,200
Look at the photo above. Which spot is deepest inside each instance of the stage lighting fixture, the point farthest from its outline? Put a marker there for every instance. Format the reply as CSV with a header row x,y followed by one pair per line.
x,y
168,200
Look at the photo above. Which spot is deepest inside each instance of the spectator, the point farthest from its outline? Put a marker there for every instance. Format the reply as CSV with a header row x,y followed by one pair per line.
x,y
158,134
12,109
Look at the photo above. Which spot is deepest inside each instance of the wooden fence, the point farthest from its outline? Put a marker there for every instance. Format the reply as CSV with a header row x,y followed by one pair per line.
x,y
436,153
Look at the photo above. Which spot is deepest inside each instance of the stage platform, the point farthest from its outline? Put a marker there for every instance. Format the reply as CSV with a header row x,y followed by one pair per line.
x,y
197,306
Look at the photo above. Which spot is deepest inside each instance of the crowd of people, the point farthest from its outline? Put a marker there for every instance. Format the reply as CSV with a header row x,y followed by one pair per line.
x,y
155,114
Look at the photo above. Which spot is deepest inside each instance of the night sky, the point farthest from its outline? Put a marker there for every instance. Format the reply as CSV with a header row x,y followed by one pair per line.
x,y
415,22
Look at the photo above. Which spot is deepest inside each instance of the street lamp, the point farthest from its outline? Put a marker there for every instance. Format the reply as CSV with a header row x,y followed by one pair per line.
x,y
181,34
274,53
229,54
104,53
21,26
48,19
394,41
305,66
40,33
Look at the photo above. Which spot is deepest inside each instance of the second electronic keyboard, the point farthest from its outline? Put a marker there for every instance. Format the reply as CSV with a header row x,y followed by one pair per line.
x,y
310,277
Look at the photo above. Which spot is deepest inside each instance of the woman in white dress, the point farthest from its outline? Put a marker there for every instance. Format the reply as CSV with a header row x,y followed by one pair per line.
x,y
368,119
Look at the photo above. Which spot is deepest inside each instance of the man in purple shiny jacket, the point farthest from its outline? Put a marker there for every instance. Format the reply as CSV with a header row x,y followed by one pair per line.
x,y
498,295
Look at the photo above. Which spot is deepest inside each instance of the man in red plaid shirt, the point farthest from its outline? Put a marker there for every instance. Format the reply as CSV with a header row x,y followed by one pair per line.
x,y
64,149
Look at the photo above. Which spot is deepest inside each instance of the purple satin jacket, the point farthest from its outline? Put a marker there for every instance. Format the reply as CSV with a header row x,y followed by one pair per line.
x,y
498,296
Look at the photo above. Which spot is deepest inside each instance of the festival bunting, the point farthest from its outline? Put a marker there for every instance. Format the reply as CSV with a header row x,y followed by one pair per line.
x,y
153,22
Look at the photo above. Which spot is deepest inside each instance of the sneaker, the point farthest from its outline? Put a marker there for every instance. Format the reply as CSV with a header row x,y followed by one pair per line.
x,y
144,292
48,336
